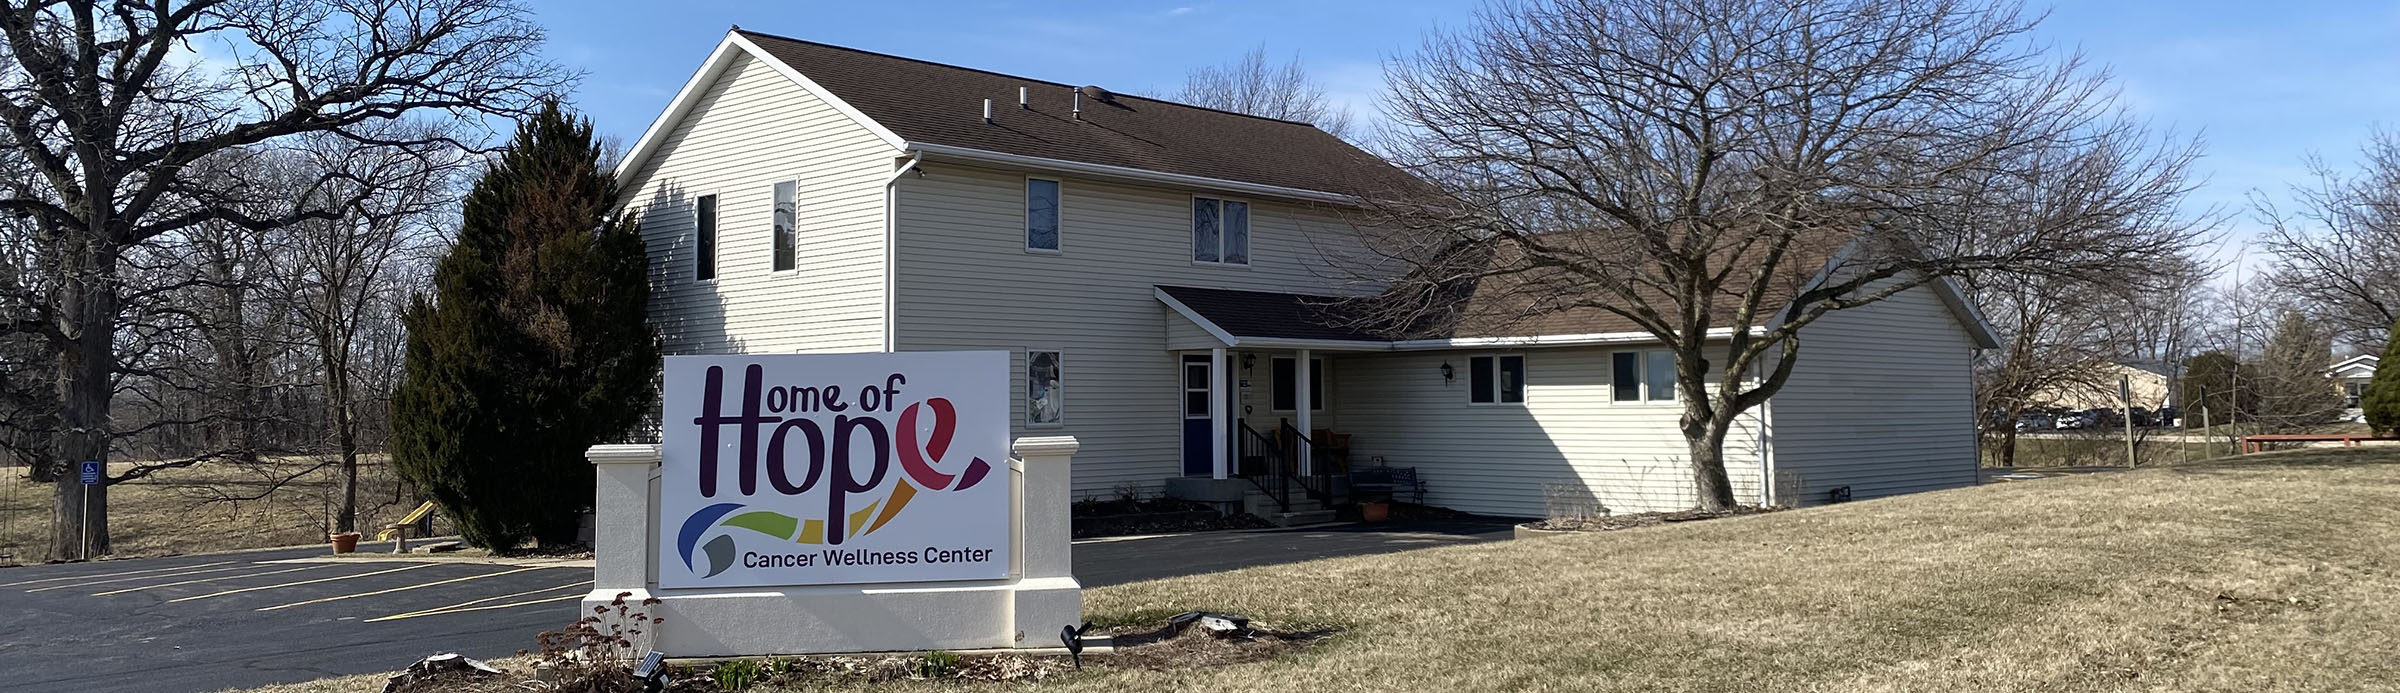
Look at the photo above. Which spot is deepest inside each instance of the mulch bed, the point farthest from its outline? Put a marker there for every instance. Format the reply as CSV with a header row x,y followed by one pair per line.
x,y
1124,517
1150,646
1606,523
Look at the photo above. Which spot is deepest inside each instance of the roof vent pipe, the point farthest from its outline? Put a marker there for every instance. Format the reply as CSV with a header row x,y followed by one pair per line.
x,y
1021,99
987,111
1079,104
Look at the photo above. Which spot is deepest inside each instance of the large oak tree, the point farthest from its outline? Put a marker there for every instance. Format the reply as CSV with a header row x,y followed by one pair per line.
x,y
132,120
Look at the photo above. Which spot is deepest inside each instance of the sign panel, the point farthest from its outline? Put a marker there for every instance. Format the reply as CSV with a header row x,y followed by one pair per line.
x,y
91,472
813,469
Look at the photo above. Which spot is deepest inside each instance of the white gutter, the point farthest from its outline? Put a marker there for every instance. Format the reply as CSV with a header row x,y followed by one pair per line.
x,y
891,253
1129,173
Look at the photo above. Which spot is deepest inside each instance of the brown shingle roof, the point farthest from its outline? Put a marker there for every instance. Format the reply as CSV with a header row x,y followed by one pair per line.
x,y
943,104
1268,314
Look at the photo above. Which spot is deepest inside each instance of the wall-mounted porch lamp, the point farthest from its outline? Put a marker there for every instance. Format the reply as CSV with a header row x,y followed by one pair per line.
x,y
1448,373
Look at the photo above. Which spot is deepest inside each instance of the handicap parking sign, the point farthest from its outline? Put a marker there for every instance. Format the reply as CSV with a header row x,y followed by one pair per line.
x,y
91,472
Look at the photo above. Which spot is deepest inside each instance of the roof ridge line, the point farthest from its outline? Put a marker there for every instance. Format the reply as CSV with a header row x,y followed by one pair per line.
x,y
1152,99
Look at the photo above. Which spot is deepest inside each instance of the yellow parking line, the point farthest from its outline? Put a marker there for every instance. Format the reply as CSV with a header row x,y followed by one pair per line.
x,y
193,580
462,606
102,575
396,589
302,582
136,577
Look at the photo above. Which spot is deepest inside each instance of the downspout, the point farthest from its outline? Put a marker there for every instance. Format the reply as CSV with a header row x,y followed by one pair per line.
x,y
1765,438
891,252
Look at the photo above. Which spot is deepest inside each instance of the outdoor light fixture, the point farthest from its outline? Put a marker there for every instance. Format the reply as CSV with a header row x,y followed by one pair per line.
x,y
1248,360
1072,637
1448,373
650,673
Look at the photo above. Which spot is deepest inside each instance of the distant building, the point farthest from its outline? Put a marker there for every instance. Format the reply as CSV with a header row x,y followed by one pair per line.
x,y
2352,376
2152,390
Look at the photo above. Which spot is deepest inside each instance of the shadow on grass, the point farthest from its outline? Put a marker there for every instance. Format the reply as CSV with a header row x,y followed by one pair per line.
x,y
2314,458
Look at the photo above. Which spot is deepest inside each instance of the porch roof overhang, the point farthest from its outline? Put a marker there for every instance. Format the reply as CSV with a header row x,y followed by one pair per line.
x,y
1274,320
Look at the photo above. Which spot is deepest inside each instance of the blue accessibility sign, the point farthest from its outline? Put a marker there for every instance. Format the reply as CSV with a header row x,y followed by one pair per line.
x,y
91,472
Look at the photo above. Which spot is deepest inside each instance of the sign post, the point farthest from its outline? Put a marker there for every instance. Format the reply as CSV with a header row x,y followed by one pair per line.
x,y
821,503
91,478
2125,395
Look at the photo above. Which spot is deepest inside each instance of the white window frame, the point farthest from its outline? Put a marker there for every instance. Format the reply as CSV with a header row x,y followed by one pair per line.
x,y
1206,388
716,246
1249,246
1316,371
1058,388
1524,371
795,181
1641,377
1060,210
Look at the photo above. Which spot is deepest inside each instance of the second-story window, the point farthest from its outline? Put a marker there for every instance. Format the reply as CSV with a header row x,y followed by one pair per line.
x,y
704,238
1041,214
1220,231
787,230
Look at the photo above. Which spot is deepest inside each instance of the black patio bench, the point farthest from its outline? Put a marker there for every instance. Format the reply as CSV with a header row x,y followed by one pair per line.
x,y
1393,483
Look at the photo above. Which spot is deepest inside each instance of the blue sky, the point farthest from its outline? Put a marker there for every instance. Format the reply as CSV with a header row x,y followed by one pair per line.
x,y
2262,84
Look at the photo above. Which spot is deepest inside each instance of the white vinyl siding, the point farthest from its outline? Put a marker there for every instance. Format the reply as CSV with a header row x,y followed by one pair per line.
x,y
966,282
1498,459
750,129
1882,401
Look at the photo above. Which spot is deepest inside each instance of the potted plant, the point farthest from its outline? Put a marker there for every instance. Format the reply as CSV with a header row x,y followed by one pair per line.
x,y
344,542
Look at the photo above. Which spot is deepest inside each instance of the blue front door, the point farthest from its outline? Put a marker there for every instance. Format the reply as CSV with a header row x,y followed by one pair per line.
x,y
1199,432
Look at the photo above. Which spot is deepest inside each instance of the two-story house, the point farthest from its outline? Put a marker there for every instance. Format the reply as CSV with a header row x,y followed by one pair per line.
x,y
1154,269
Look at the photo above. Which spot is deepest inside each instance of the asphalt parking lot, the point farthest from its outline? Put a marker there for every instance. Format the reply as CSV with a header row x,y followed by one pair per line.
x,y
234,620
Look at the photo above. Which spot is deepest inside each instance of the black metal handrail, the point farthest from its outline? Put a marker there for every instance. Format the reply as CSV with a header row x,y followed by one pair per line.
x,y
1273,474
1318,483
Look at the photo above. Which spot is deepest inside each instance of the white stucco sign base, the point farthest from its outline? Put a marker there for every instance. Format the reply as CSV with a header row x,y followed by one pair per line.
x,y
837,503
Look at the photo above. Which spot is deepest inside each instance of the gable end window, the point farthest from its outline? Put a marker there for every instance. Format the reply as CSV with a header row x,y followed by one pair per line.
x,y
1220,231
1496,379
704,238
787,219
1642,376
1041,215
1045,393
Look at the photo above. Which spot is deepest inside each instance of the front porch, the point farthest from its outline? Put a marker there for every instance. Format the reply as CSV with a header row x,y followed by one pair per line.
x,y
1257,440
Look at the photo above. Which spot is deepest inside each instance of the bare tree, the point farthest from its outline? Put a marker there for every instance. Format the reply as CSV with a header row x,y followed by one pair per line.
x,y
1251,85
108,108
345,274
2338,254
1720,174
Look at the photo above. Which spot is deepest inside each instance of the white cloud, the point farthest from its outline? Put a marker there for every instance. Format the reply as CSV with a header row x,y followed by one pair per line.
x,y
1181,11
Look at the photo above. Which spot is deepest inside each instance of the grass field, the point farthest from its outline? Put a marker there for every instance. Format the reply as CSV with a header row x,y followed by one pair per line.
x,y
171,512
2100,451
2267,573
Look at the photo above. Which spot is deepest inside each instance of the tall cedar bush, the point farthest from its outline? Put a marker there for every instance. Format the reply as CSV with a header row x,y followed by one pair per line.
x,y
2382,401
533,346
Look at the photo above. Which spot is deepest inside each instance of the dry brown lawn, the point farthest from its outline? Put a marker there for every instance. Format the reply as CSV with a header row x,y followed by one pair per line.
x,y
173,511
2270,573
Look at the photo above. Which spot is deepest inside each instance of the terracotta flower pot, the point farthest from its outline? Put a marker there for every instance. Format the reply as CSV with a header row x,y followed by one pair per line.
x,y
1374,512
344,542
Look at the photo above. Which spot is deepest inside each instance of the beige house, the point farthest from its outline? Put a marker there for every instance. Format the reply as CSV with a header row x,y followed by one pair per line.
x,y
2151,389
1155,270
